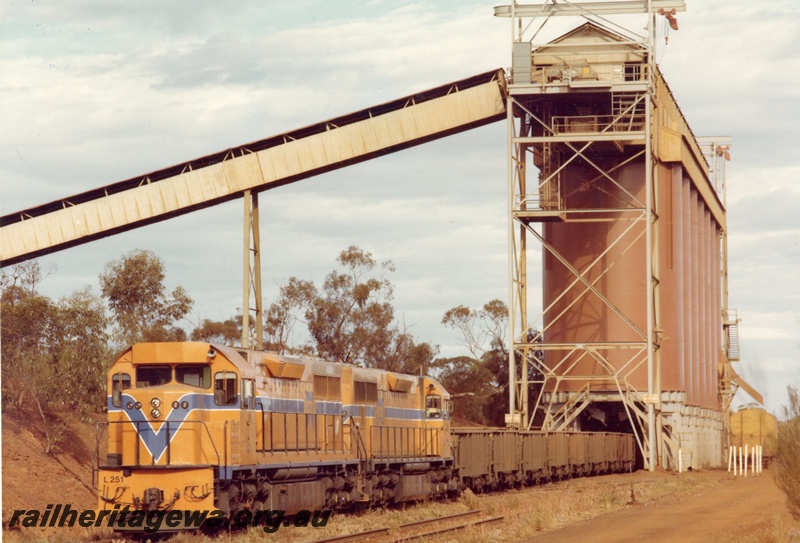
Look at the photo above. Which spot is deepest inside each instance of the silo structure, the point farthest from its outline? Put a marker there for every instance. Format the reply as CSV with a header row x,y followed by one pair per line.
x,y
625,206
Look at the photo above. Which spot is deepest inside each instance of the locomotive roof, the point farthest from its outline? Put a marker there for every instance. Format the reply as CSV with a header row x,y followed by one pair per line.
x,y
186,353
296,366
250,363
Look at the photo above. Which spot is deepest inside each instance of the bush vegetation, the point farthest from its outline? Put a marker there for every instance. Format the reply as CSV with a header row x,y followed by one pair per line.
x,y
787,451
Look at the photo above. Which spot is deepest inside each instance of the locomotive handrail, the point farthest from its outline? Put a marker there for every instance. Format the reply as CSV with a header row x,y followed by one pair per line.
x,y
277,424
406,444
361,448
225,444
96,467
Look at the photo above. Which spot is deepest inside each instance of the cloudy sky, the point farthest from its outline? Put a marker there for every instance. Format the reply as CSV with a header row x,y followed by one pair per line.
x,y
93,92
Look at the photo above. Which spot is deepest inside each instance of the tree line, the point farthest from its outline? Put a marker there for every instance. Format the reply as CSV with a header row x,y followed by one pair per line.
x,y
350,319
55,353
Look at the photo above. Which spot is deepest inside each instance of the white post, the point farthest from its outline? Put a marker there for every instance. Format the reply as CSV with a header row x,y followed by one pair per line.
x,y
741,451
760,458
758,463
680,460
735,471
746,451
730,455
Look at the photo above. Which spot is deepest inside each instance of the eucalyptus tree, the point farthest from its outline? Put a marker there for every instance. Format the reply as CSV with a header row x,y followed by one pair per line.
x,y
142,309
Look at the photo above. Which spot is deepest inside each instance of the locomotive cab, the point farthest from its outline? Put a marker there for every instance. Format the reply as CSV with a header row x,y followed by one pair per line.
x,y
172,408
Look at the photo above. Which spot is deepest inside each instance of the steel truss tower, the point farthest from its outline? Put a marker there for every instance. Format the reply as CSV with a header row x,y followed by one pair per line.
x,y
581,110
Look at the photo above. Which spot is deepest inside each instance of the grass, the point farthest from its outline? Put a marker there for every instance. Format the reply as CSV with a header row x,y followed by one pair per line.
x,y
787,445
531,511
782,528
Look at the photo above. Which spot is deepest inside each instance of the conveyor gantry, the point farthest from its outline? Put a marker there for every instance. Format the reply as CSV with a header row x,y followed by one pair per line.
x,y
257,166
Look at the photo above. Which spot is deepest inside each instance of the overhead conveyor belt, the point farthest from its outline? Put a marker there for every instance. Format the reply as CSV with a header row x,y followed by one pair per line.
x,y
257,166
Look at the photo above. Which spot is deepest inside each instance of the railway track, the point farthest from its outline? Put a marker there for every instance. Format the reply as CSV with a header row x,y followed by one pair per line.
x,y
420,530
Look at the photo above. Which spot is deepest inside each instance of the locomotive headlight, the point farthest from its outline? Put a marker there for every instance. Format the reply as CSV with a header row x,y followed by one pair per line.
x,y
185,404
155,402
155,413
175,404
129,406
138,405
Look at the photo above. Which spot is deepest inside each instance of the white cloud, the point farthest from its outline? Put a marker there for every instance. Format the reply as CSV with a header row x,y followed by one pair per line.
x,y
771,326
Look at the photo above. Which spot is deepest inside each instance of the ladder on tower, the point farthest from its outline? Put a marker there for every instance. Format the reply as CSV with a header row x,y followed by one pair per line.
x,y
630,108
731,326
550,182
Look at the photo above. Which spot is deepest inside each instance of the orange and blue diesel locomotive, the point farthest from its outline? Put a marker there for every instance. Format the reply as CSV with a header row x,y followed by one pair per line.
x,y
203,427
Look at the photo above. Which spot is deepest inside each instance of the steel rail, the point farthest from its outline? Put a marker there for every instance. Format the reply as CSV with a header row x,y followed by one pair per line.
x,y
428,535
385,531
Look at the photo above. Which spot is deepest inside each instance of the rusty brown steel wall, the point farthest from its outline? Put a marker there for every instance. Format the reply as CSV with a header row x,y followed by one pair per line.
x,y
688,259
582,317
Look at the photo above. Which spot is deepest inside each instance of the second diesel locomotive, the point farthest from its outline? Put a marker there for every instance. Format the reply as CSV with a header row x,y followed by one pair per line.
x,y
199,427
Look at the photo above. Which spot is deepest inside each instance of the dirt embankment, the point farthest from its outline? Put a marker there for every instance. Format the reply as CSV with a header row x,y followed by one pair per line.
x,y
33,479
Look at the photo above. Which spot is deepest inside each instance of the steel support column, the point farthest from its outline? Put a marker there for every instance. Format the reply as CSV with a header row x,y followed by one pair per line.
x,y
251,275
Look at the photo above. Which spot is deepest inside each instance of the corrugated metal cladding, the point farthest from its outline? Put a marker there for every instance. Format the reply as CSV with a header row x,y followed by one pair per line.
x,y
689,274
415,119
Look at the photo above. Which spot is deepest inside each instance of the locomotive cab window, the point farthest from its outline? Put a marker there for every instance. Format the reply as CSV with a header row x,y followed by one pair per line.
x,y
433,406
194,375
119,382
151,376
225,392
